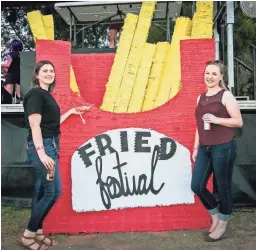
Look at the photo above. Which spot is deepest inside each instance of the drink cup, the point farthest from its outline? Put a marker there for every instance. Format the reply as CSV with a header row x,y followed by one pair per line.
x,y
207,126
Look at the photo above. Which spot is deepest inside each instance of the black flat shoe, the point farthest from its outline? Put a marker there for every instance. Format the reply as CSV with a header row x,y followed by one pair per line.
x,y
210,239
206,233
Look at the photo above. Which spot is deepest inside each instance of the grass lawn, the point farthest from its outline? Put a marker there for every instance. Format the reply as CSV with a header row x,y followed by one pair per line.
x,y
242,231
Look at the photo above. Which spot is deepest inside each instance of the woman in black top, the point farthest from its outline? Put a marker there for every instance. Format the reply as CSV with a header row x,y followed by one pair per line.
x,y
43,119
13,69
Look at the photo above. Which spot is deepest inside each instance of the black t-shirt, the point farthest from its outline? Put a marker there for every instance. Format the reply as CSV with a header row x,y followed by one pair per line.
x,y
40,101
15,64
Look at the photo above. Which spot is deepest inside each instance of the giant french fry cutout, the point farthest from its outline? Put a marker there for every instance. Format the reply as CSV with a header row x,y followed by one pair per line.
x,y
126,172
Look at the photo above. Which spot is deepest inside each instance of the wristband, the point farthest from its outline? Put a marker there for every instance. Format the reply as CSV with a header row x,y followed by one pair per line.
x,y
195,148
39,148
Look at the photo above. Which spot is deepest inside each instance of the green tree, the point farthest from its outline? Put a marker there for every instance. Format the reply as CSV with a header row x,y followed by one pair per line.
x,y
157,32
244,33
244,36
95,36
61,28
11,30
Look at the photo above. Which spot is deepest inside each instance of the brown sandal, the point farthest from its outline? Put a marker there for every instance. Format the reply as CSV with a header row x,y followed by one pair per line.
x,y
31,244
43,240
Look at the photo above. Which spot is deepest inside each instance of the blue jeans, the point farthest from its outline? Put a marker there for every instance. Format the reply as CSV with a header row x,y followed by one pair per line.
x,y
46,192
219,159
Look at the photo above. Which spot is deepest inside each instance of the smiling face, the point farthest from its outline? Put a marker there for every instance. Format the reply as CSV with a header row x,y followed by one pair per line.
x,y
46,75
212,76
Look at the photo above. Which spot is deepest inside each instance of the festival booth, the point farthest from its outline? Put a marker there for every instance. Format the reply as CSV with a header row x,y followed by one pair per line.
x,y
129,167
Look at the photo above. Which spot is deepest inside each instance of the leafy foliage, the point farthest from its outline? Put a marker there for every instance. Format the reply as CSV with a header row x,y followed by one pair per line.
x,y
244,33
95,37
157,32
11,30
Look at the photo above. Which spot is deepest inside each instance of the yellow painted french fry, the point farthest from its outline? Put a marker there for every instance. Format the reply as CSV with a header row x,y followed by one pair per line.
x,y
36,25
170,81
203,20
132,65
49,26
140,85
118,67
155,75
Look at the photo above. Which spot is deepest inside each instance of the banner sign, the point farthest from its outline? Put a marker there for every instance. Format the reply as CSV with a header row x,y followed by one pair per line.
x,y
130,167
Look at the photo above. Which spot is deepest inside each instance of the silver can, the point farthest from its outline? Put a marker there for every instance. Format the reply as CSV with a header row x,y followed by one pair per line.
x,y
207,126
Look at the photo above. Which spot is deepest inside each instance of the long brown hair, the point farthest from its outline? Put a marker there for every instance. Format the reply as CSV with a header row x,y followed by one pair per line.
x,y
35,82
222,68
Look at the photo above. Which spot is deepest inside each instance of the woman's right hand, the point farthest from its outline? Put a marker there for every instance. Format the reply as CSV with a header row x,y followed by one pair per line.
x,y
47,161
194,155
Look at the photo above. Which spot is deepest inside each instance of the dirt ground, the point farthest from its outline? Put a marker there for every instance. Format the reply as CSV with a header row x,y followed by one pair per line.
x,y
241,230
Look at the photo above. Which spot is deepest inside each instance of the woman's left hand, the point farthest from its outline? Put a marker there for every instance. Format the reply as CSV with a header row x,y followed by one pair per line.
x,y
210,118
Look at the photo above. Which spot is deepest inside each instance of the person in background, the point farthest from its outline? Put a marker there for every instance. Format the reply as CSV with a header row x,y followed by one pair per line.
x,y
113,30
43,119
217,114
13,69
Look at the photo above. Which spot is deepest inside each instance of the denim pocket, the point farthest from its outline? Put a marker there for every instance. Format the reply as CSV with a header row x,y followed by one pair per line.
x,y
56,145
51,147
50,151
